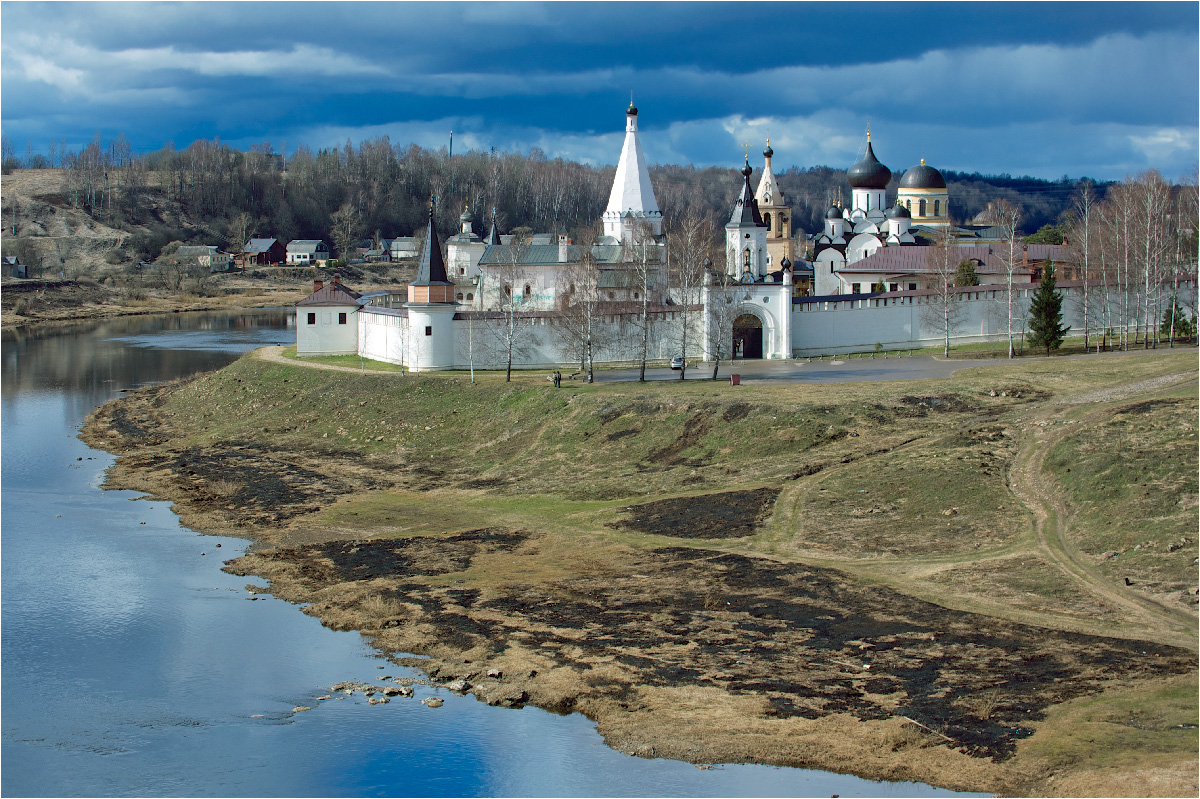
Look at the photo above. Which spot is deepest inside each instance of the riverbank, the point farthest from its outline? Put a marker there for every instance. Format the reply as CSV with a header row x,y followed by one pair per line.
x,y
47,303
840,580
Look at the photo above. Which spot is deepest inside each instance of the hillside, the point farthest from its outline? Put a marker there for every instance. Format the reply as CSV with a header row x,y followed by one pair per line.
x,y
904,581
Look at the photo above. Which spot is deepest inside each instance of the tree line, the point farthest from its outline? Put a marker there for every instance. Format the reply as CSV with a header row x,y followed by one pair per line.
x,y
210,190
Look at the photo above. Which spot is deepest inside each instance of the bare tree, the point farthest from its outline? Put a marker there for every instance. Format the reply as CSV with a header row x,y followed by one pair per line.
x,y
1081,235
688,245
944,308
720,310
579,330
643,261
1007,217
345,229
510,335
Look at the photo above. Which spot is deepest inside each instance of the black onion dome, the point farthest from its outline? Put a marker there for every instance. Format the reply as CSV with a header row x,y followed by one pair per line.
x,y
833,213
922,176
767,153
747,170
632,110
869,173
785,263
466,216
898,211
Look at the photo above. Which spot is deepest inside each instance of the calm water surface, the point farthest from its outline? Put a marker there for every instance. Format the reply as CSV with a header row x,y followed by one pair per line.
x,y
133,666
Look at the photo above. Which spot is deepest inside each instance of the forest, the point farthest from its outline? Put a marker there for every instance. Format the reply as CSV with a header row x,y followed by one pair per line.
x,y
212,193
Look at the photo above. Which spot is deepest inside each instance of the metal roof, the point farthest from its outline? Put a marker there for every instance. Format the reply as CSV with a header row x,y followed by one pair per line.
x,y
431,269
310,246
331,294
258,246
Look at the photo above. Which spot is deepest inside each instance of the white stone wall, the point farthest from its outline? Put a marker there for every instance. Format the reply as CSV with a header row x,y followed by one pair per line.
x,y
327,336
896,323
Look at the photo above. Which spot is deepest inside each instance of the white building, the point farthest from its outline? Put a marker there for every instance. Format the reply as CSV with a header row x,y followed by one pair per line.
x,y
307,252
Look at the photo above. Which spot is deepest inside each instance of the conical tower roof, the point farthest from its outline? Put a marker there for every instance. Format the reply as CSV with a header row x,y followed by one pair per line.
x,y
431,269
493,236
631,189
745,210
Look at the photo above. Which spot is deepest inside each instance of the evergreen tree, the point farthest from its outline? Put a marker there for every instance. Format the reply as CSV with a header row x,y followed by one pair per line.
x,y
1045,314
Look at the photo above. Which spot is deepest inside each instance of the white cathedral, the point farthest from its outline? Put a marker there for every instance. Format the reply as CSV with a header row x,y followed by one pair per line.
x,y
452,312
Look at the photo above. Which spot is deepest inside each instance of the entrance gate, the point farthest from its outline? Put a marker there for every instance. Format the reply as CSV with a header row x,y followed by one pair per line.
x,y
747,336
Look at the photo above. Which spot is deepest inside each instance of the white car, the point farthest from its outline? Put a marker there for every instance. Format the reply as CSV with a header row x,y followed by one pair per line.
x,y
677,362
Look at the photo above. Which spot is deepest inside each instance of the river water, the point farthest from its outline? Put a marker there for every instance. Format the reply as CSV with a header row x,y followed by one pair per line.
x,y
133,666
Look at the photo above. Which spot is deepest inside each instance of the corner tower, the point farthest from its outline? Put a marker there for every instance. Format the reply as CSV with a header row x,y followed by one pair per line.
x,y
631,202
431,308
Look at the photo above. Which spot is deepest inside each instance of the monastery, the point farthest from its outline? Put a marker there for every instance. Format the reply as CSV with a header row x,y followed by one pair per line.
x,y
493,300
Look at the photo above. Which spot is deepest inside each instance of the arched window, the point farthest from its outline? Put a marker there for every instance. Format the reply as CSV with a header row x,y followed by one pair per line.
x,y
908,206
470,297
507,290
458,296
571,289
767,220
528,292
635,295
937,207
921,212
746,258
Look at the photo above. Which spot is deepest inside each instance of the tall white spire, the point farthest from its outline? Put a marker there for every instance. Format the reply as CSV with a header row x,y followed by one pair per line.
x,y
632,199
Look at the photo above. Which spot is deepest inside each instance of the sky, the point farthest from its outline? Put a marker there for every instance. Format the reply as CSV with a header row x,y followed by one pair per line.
x,y
1095,89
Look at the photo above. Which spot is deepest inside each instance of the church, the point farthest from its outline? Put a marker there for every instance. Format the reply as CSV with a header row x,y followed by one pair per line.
x,y
493,299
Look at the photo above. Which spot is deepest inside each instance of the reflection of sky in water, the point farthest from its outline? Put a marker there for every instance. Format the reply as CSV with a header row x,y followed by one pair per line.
x,y
210,341
122,638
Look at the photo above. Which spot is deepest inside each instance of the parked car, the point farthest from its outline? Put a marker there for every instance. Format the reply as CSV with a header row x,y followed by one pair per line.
x,y
677,362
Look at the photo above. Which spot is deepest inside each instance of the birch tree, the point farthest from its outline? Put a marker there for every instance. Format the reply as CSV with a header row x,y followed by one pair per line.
x,y
1007,217
943,309
688,245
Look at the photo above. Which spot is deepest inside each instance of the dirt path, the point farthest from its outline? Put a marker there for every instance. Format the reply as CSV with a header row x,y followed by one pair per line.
x,y
275,354
1036,487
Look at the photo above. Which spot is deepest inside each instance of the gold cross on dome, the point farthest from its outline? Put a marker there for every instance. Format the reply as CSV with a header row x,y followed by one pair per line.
x,y
746,146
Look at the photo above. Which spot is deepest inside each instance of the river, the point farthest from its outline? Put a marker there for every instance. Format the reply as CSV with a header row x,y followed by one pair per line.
x,y
133,666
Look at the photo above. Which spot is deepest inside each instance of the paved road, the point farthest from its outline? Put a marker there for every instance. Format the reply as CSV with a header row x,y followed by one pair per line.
x,y
916,367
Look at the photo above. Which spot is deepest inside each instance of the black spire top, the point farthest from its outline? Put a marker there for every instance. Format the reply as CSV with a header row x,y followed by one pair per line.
x,y
745,210
431,269
494,233
868,173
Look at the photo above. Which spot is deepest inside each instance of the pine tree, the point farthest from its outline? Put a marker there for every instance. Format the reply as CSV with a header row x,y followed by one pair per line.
x,y
1045,314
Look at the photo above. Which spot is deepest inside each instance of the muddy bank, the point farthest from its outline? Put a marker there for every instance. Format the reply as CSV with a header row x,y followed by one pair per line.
x,y
788,650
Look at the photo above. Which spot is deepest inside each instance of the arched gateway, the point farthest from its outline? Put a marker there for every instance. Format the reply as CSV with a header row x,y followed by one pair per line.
x,y
748,336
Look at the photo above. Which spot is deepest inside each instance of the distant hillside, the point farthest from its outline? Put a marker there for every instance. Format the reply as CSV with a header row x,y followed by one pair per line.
x,y
101,206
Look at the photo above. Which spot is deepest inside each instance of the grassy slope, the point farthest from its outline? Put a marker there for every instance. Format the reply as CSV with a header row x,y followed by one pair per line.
x,y
901,483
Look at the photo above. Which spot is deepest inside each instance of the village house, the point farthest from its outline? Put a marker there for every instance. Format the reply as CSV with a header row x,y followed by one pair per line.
x,y
307,252
262,252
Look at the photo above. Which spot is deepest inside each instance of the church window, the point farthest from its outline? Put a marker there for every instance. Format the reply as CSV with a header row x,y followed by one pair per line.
x,y
528,292
458,296
470,297
635,295
746,258
507,290
908,206
937,207
767,220
921,212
